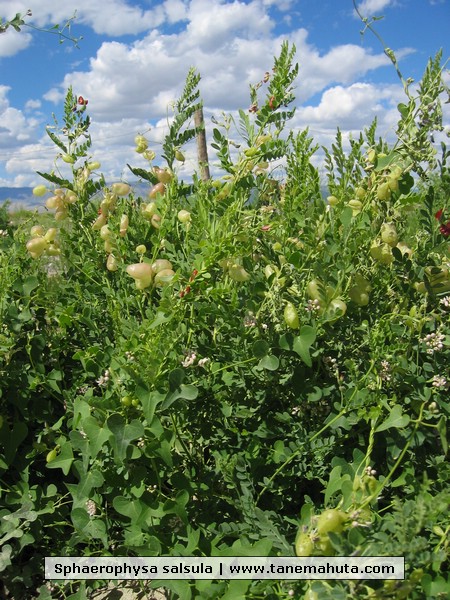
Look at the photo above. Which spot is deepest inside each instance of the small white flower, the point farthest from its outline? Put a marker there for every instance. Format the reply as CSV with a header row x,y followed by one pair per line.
x,y
439,382
91,508
249,320
202,362
385,371
189,360
434,342
313,306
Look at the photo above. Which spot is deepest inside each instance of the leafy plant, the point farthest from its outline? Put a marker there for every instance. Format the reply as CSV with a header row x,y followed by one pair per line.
x,y
233,366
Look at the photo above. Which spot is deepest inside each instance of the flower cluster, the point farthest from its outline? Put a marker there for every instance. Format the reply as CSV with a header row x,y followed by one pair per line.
x,y
103,379
190,359
445,301
434,342
91,508
331,363
440,382
250,320
385,371
444,228
313,306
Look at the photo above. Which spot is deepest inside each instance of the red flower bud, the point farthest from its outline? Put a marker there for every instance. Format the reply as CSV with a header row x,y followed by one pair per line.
x,y
445,229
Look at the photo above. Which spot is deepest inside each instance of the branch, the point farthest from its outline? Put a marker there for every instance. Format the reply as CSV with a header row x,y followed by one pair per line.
x,y
18,22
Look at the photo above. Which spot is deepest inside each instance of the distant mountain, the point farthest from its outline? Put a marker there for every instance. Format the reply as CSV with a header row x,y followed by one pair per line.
x,y
20,197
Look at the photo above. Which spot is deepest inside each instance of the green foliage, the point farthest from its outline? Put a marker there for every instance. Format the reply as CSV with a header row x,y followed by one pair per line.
x,y
178,412
18,22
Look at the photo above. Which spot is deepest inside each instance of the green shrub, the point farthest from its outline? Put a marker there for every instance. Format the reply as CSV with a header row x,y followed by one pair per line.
x,y
292,356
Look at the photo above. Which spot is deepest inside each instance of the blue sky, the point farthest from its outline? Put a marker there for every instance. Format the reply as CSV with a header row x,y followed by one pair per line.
x,y
133,58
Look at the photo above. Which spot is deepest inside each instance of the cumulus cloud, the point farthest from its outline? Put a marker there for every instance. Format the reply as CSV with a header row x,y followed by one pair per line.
x,y
370,7
12,42
130,85
117,17
231,45
352,108
15,128
33,104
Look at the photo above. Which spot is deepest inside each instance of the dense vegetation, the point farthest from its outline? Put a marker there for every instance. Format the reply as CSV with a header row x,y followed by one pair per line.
x,y
205,371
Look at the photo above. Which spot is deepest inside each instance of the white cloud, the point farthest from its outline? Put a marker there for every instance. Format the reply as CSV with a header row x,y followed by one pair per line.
x,y
213,24
353,108
175,10
33,104
12,42
116,17
232,44
15,128
369,7
341,64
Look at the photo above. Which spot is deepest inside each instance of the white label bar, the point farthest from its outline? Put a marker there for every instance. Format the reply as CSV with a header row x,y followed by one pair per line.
x,y
229,567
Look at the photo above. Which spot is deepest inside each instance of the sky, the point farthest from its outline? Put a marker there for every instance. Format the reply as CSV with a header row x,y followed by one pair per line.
x,y
133,58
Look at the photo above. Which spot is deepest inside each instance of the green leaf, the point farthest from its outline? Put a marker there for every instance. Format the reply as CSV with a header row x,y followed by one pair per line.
x,y
5,555
403,109
442,430
60,182
149,401
80,594
159,319
90,527
176,378
29,284
386,161
395,419
55,139
143,174
123,434
181,588
136,510
97,434
269,362
11,439
187,392
82,491
346,217
237,589
80,518
303,343
285,341
64,459
260,348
